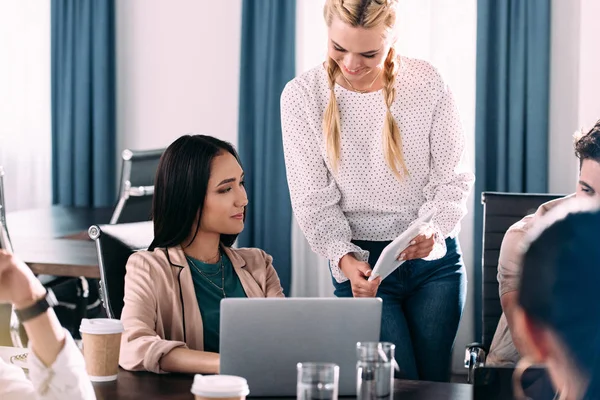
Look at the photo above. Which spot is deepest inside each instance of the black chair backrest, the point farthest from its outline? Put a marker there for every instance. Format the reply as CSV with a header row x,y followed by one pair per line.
x,y
501,210
137,172
136,209
114,245
143,166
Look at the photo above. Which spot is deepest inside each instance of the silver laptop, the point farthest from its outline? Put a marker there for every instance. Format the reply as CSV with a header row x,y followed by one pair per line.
x,y
262,340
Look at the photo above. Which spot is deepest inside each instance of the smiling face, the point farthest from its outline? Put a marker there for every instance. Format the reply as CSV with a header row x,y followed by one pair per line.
x,y
359,52
360,35
226,199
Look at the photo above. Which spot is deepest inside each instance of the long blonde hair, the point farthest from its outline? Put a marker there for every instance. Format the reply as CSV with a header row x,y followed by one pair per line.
x,y
366,14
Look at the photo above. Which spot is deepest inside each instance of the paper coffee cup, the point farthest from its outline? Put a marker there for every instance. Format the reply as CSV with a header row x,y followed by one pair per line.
x,y
219,387
101,346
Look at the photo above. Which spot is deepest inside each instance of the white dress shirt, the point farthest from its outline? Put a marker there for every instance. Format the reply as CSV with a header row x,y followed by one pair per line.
x,y
65,379
364,200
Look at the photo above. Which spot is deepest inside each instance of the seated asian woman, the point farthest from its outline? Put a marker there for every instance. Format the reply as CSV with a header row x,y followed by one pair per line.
x,y
173,290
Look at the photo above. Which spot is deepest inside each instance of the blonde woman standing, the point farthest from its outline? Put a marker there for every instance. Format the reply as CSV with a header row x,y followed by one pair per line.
x,y
372,140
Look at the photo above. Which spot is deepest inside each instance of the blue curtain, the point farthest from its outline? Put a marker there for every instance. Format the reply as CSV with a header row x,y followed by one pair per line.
x,y
511,132
267,64
83,102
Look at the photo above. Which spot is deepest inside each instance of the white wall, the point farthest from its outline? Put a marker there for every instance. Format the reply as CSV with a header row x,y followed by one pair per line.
x,y
564,95
178,66
311,34
25,128
574,85
589,64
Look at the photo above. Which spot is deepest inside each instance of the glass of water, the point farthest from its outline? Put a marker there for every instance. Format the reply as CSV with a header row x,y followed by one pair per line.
x,y
374,370
317,381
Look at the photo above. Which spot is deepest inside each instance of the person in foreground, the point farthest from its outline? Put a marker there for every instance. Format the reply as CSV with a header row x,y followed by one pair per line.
x,y
558,308
173,290
507,346
372,141
56,366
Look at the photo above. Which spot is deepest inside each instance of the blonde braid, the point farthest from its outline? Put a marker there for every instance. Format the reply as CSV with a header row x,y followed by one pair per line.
x,y
331,119
392,140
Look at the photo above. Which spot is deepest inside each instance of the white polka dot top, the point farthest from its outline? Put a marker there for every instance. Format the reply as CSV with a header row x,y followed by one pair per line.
x,y
365,201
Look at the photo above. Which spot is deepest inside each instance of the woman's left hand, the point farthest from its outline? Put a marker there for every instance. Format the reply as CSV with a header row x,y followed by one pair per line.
x,y
420,247
18,285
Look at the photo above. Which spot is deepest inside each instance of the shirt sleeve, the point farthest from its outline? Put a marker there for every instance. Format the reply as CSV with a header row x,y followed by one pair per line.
x,y
272,284
141,347
66,378
450,179
314,193
511,256
14,385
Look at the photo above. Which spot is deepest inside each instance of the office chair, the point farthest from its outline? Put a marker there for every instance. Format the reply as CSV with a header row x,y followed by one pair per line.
x,y
500,211
137,186
114,245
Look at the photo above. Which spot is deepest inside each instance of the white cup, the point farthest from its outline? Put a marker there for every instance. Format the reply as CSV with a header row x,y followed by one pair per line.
x,y
101,347
219,387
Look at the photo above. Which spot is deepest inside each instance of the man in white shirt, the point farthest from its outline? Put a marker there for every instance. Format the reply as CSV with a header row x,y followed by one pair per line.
x,y
56,366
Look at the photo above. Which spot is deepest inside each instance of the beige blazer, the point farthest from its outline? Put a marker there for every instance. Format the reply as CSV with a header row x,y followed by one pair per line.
x,y
161,310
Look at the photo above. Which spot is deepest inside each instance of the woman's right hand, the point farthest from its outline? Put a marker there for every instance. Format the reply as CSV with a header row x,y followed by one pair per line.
x,y
358,272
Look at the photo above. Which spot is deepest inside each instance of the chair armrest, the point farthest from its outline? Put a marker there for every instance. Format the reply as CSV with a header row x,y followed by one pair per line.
x,y
475,355
138,191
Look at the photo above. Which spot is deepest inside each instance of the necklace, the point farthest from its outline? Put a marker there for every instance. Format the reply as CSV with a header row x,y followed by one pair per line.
x,y
364,90
206,261
207,276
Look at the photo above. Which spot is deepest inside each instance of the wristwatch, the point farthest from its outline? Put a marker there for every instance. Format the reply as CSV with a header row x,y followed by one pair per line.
x,y
38,307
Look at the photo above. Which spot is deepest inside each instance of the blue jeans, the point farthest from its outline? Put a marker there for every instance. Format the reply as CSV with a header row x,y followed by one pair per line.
x,y
422,305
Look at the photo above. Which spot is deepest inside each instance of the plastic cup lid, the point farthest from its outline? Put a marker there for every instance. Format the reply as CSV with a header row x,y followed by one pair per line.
x,y
101,326
219,386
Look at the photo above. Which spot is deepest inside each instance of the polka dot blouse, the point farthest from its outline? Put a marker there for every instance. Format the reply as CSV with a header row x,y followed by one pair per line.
x,y
365,201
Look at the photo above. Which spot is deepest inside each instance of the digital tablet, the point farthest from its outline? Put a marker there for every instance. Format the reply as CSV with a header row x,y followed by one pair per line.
x,y
388,260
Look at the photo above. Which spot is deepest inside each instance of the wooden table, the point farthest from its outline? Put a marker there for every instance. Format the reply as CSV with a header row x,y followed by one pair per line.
x,y
59,257
54,241
55,221
144,385
148,386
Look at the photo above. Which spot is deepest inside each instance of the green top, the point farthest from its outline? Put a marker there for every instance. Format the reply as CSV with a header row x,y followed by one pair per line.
x,y
208,281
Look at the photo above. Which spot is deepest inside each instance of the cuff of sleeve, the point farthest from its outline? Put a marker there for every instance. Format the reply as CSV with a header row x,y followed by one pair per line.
x,y
504,288
156,351
439,246
507,282
69,361
68,355
339,250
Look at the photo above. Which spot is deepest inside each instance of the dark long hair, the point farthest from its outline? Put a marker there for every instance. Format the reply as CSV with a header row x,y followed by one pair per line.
x,y
560,286
180,188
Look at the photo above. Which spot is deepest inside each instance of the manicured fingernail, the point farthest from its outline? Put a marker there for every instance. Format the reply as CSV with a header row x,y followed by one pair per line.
x,y
401,257
412,243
